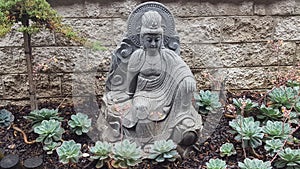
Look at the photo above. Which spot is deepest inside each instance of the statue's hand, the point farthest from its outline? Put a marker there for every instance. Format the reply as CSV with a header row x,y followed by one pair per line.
x,y
122,98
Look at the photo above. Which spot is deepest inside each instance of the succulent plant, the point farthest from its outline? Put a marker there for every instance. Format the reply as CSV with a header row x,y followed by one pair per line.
x,y
277,129
216,164
227,149
246,104
292,83
37,116
6,118
49,148
269,113
273,146
126,154
254,164
207,101
49,131
69,152
283,97
101,152
297,106
248,130
289,159
163,150
80,123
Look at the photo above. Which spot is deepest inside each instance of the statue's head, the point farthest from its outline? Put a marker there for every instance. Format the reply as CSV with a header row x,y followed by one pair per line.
x,y
151,23
151,30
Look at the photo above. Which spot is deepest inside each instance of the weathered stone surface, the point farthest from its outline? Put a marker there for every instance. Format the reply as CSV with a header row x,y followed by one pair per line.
x,y
207,56
288,28
196,30
248,78
239,29
93,29
297,55
12,60
15,86
297,7
212,79
95,8
119,30
43,38
14,38
68,8
69,59
48,85
188,54
1,88
283,7
185,8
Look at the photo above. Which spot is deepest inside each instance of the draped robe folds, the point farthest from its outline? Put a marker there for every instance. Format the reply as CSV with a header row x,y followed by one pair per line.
x,y
161,106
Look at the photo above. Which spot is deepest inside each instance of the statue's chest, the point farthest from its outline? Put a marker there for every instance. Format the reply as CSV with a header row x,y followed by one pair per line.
x,y
150,69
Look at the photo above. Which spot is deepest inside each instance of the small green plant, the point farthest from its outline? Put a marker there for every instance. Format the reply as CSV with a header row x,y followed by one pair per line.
x,y
69,152
49,131
207,101
273,146
126,154
101,152
248,130
289,159
297,106
283,97
227,149
80,123
277,129
254,164
49,148
244,104
269,113
216,164
37,116
163,150
6,118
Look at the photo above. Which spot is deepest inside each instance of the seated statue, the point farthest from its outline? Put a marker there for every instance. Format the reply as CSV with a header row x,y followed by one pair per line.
x,y
149,88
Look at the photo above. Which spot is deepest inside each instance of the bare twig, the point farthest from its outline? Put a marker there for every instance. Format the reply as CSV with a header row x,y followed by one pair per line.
x,y
24,135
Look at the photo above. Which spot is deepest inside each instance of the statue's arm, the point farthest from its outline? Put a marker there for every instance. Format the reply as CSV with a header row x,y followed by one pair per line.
x,y
131,82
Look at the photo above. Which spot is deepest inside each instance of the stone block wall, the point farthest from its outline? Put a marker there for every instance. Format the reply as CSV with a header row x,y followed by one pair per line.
x,y
222,41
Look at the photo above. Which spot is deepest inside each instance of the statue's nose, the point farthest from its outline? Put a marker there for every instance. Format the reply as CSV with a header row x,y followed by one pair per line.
x,y
153,44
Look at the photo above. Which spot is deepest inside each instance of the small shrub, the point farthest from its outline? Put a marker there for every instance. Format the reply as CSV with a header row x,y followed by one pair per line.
x,y
283,97
6,118
37,116
227,149
248,130
126,154
247,105
277,129
101,152
254,164
289,159
269,113
163,150
80,123
273,146
49,131
207,101
216,164
69,152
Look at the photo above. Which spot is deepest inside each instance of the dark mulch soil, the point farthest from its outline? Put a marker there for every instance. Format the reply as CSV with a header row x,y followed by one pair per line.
x,y
13,143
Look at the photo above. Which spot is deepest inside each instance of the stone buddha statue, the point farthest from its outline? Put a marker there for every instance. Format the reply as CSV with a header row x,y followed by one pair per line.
x,y
149,88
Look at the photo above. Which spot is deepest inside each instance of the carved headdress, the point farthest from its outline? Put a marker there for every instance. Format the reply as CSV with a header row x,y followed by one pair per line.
x,y
151,23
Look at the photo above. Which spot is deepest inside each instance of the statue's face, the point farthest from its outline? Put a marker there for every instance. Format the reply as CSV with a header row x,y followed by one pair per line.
x,y
152,41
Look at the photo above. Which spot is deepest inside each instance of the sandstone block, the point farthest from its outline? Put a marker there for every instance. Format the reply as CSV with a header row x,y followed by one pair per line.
x,y
68,8
199,30
297,56
240,29
188,54
48,85
184,8
12,60
43,38
119,29
284,7
207,56
15,86
92,29
109,8
288,28
14,38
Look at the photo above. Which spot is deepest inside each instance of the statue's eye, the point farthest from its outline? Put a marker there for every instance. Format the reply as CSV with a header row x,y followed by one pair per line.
x,y
149,39
157,39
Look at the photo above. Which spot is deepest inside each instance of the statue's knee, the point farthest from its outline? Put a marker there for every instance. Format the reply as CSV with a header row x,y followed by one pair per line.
x,y
189,138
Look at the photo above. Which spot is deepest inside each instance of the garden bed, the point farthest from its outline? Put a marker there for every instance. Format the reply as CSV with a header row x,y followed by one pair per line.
x,y
12,142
